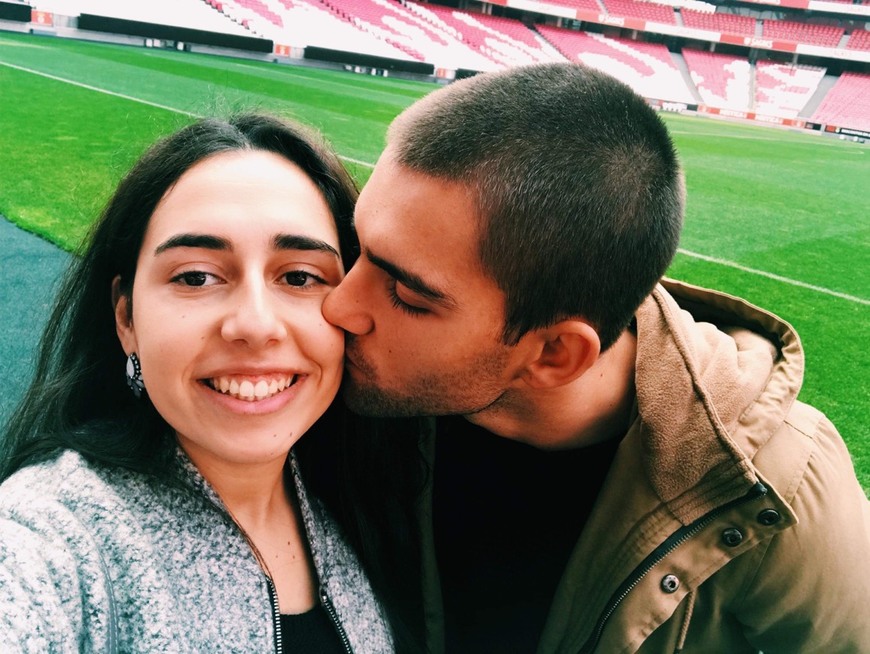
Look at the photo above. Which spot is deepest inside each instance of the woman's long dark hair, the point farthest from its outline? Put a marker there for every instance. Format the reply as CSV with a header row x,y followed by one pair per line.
x,y
370,473
364,472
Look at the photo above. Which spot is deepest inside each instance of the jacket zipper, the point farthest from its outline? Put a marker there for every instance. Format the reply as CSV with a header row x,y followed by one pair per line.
x,y
657,555
112,630
276,615
330,609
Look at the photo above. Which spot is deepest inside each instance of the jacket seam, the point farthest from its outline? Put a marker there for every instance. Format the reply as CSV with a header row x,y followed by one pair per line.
x,y
812,434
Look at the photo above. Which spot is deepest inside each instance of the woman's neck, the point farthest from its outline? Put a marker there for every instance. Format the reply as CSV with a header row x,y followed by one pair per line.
x,y
265,508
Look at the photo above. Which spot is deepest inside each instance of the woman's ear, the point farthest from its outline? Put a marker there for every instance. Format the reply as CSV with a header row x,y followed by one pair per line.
x,y
566,351
121,302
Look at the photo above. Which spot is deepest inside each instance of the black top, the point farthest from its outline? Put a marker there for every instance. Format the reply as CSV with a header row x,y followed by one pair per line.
x,y
506,519
312,632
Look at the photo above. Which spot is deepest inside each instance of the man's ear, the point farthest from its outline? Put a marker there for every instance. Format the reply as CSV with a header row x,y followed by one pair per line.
x,y
565,351
121,302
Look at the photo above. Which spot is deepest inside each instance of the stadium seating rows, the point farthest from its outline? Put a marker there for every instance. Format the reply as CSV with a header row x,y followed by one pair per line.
x,y
453,39
859,40
650,11
718,22
591,5
847,103
823,35
503,41
783,89
722,80
646,67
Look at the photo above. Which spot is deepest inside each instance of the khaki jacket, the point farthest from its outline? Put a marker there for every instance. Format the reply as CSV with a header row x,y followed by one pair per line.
x,y
731,519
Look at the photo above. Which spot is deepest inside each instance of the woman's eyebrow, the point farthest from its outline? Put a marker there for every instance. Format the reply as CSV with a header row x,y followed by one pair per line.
x,y
205,241
297,242
209,242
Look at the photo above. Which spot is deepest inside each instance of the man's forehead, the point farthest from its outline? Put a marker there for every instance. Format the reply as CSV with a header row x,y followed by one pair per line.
x,y
422,224
413,206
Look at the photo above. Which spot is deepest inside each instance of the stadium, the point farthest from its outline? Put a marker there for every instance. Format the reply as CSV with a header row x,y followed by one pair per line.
x,y
769,103
799,63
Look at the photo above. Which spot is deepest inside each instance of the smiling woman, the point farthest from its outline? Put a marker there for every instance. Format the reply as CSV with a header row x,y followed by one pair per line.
x,y
174,517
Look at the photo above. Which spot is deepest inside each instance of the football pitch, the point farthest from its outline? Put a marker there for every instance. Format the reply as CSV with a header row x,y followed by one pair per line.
x,y
777,217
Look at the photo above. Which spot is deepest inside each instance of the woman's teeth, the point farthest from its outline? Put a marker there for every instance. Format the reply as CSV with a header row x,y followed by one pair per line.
x,y
251,391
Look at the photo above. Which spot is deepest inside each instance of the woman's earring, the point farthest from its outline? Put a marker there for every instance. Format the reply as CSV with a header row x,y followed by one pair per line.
x,y
134,375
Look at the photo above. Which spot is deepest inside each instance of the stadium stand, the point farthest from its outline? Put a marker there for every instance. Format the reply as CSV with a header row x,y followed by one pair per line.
x,y
859,40
847,103
390,24
261,10
784,89
649,11
718,22
311,23
451,39
722,80
193,14
502,41
646,67
590,5
809,33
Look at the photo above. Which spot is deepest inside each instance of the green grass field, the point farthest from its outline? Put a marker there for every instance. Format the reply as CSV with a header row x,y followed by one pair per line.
x,y
777,217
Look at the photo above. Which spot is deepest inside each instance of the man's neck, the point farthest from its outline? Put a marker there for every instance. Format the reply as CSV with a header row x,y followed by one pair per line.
x,y
595,407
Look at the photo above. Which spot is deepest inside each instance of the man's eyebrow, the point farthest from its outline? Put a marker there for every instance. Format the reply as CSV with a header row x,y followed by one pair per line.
x,y
296,242
412,281
205,241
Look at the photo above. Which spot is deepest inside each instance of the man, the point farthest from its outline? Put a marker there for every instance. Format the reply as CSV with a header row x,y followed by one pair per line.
x,y
621,464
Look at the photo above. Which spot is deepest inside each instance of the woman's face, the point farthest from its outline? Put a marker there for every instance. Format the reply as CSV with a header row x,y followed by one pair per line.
x,y
236,261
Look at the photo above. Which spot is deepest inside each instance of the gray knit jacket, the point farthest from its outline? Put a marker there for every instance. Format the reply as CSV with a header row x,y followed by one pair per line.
x,y
97,559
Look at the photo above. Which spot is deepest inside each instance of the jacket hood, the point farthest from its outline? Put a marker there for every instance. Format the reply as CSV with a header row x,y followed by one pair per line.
x,y
739,370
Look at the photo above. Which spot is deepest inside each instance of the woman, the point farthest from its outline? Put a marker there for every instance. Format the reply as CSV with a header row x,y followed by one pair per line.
x,y
168,516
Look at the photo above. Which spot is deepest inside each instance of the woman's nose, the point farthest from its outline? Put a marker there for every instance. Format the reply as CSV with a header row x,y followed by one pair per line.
x,y
345,306
253,317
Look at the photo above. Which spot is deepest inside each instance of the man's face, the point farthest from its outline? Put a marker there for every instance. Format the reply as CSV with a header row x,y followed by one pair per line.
x,y
423,321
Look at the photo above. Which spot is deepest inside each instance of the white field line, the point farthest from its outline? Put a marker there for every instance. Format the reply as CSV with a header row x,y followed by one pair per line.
x,y
825,141
357,161
704,257
97,89
750,137
779,278
139,100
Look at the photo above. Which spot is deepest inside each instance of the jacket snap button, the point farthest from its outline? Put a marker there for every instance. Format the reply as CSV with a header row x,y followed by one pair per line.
x,y
769,517
670,583
732,537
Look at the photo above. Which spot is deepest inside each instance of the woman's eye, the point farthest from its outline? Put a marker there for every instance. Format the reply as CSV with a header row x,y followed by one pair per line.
x,y
301,278
193,278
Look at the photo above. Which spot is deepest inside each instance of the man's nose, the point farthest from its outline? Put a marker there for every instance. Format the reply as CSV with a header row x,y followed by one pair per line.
x,y
347,305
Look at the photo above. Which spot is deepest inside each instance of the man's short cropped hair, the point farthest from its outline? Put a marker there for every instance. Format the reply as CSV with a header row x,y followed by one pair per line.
x,y
577,184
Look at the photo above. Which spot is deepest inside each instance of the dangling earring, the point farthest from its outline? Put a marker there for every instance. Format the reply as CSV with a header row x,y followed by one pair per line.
x,y
134,375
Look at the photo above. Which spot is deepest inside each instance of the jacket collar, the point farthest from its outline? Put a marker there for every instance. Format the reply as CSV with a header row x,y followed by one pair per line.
x,y
715,377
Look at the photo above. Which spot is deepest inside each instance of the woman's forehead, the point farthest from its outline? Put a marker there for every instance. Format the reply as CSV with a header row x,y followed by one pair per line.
x,y
243,192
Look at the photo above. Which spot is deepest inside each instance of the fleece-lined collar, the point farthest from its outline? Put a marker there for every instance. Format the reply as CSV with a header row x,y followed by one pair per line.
x,y
715,377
